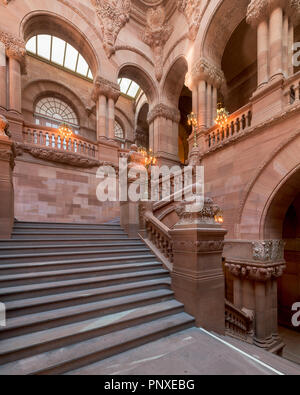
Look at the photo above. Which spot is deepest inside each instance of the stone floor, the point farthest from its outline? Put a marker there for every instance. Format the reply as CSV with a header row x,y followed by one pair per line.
x,y
292,340
193,352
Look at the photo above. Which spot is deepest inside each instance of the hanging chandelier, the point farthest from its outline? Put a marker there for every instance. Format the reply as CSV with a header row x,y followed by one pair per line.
x,y
222,116
65,131
149,157
219,217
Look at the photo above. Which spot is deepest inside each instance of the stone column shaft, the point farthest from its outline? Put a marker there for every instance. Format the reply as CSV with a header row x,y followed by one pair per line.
x,y
111,119
214,104
276,39
209,106
202,104
290,49
15,100
285,55
101,116
263,53
3,85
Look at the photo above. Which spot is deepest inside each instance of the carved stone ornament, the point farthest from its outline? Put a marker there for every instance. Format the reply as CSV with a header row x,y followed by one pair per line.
x,y
163,111
193,11
113,15
205,215
256,272
156,35
271,250
105,88
199,246
259,10
15,47
203,70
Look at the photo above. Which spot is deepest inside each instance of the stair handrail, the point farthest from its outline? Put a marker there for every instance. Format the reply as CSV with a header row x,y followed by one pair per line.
x,y
239,322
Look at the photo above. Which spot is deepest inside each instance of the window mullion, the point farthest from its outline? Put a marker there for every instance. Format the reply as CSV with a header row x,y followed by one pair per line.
x,y
65,53
77,63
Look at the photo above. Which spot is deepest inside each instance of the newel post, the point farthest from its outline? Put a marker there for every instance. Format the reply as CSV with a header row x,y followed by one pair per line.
x,y
130,216
256,267
198,278
7,155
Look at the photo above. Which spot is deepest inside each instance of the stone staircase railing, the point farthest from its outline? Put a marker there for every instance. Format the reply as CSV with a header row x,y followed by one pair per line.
x,y
237,123
50,139
238,324
158,238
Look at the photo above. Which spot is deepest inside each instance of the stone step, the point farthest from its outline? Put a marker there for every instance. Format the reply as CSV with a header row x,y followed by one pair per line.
x,y
94,232
53,318
27,238
64,224
48,256
13,250
22,307
14,280
62,241
20,226
26,346
30,291
18,268
78,355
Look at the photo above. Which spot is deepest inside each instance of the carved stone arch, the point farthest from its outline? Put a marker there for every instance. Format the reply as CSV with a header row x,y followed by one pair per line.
x,y
46,22
143,79
174,81
39,89
262,189
221,19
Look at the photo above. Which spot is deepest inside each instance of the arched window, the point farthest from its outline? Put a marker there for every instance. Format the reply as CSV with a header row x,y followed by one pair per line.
x,y
119,132
52,112
60,53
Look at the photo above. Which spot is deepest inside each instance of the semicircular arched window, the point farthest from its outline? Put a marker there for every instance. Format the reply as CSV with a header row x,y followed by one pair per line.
x,y
51,112
119,132
60,53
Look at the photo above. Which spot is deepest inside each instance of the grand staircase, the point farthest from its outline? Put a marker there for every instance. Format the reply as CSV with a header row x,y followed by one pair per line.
x,y
77,294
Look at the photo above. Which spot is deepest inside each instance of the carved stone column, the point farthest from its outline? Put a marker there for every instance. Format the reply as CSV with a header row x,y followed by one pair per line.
x,y
256,267
198,277
163,126
208,79
274,21
105,94
3,87
7,155
15,51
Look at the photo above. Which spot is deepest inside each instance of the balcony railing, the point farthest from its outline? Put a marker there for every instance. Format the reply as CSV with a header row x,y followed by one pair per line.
x,y
292,91
237,123
51,139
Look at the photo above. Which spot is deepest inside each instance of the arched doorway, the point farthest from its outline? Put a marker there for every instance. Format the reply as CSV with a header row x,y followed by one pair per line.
x,y
283,222
142,128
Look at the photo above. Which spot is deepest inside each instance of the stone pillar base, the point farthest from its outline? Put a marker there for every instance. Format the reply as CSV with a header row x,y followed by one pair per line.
x,y
198,278
108,151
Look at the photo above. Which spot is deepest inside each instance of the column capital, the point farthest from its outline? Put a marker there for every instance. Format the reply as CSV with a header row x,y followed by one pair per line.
x,y
103,87
259,10
262,261
15,47
205,71
163,111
